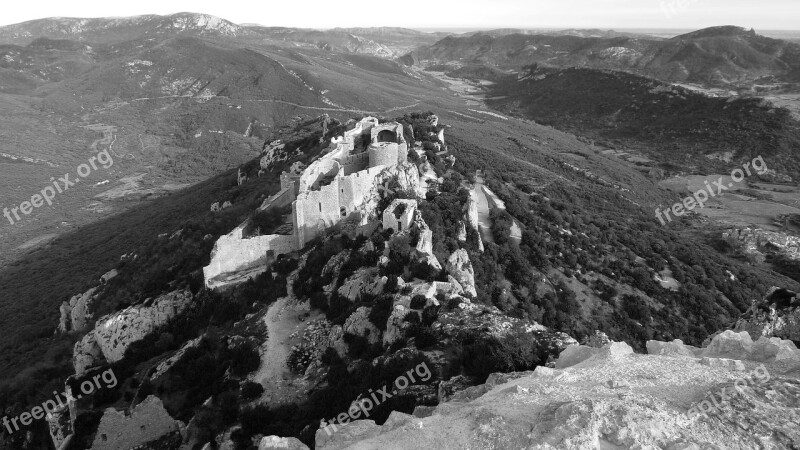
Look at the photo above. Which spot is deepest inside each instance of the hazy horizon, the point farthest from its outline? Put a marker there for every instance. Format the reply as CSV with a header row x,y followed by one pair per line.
x,y
446,15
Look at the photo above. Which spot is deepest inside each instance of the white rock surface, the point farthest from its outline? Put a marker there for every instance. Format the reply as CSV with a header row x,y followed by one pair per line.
x,y
396,325
86,354
674,348
358,323
115,333
613,400
460,267
76,315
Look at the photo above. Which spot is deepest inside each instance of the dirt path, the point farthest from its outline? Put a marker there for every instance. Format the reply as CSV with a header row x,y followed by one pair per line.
x,y
283,318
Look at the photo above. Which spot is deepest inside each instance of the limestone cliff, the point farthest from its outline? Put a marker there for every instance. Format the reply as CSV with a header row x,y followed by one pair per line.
x,y
114,333
460,267
76,315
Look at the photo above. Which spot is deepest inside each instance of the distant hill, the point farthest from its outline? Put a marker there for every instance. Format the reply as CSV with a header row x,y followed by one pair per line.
x,y
385,41
719,56
679,126
115,30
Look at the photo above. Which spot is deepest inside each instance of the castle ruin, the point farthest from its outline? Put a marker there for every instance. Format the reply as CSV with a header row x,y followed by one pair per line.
x,y
341,185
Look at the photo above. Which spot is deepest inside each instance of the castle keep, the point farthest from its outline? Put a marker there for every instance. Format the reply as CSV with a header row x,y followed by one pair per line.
x,y
340,185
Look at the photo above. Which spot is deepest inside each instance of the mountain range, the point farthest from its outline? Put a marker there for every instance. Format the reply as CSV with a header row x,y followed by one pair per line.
x,y
720,56
498,225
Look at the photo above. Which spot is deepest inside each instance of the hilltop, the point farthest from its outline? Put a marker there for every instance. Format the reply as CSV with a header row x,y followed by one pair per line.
x,y
719,56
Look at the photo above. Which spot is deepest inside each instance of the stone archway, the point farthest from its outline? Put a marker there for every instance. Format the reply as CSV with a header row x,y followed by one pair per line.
x,y
387,136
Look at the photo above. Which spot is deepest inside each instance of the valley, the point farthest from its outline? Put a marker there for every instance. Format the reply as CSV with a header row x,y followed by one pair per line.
x,y
296,219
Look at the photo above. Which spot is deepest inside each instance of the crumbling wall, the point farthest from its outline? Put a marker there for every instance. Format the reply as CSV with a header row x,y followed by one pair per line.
x,y
314,211
397,220
149,421
232,253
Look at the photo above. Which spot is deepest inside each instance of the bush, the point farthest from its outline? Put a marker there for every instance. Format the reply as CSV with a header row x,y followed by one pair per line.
x,y
381,311
251,390
418,302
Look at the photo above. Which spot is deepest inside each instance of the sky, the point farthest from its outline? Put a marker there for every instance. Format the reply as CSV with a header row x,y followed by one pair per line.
x,y
442,14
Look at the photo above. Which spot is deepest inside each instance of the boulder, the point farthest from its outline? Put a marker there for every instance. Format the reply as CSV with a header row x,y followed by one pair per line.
x,y
774,349
576,354
275,442
396,325
730,344
116,332
359,324
460,267
76,315
364,281
674,348
86,354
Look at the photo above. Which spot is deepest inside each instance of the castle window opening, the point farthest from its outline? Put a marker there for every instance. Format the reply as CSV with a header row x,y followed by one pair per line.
x,y
343,211
387,136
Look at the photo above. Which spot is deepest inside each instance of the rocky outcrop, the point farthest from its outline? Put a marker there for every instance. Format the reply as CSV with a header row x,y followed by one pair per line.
x,y
612,399
114,333
147,423
364,281
471,216
86,354
731,345
396,325
76,315
275,442
776,315
359,324
460,267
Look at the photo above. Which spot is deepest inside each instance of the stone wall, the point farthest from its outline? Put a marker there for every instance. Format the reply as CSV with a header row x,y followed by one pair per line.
x,y
399,221
383,154
149,421
314,211
232,253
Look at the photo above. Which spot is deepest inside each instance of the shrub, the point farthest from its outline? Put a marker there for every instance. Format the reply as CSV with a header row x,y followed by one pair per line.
x,y
381,311
251,390
418,302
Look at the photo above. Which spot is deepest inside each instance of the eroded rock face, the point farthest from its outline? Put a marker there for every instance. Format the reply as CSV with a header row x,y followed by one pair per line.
x,y
275,442
674,348
730,344
115,333
614,399
396,325
86,354
471,216
147,423
76,315
358,323
460,267
364,281
776,315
